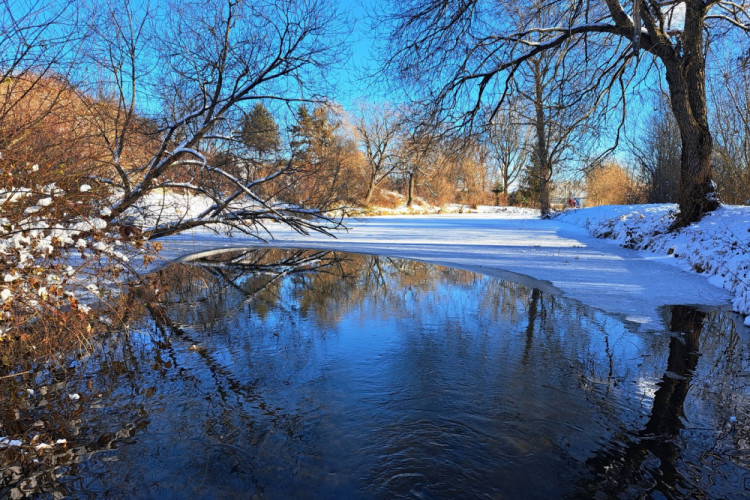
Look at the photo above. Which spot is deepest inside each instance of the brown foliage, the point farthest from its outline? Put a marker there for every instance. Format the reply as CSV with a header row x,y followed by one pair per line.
x,y
612,184
328,167
43,120
386,199
70,135
54,151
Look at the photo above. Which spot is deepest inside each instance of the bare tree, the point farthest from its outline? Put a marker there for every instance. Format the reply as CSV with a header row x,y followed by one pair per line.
x,y
471,50
378,128
441,167
508,141
195,72
464,174
554,104
657,152
417,155
731,121
557,115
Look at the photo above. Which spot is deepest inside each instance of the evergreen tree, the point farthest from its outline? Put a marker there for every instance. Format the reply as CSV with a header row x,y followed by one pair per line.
x,y
314,134
325,157
260,132
529,192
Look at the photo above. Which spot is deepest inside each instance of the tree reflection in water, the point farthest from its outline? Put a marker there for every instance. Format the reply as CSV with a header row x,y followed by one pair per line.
x,y
309,373
621,471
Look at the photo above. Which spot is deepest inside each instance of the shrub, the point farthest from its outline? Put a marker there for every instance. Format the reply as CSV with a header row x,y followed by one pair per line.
x,y
611,184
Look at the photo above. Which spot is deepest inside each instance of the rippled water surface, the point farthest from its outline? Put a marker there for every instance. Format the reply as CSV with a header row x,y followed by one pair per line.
x,y
289,374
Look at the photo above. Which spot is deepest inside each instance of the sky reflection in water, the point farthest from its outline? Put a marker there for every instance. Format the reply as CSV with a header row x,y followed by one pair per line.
x,y
286,374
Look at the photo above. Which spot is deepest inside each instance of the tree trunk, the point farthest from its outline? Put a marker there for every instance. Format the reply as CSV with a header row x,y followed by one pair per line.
x,y
541,142
686,77
410,193
370,189
368,195
697,191
544,189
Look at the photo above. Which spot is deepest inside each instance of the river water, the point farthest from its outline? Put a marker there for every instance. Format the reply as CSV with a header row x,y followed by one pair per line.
x,y
309,374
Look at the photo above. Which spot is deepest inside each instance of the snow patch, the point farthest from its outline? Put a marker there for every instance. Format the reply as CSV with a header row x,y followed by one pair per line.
x,y
717,247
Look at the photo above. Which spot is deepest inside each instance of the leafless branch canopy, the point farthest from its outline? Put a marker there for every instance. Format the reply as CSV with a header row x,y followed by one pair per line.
x,y
161,90
462,54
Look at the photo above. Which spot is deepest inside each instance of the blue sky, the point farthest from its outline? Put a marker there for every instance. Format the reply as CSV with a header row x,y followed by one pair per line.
x,y
351,85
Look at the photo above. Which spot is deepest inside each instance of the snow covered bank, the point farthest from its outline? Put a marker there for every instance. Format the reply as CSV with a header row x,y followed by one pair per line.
x,y
557,255
717,247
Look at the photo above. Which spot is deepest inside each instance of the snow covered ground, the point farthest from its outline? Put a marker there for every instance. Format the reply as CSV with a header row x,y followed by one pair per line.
x,y
717,248
705,264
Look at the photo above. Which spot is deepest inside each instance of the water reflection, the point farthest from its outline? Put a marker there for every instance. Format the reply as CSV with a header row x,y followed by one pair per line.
x,y
650,461
273,373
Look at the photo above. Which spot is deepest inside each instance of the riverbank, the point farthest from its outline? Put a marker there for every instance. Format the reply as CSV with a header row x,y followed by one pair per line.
x,y
561,255
717,247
